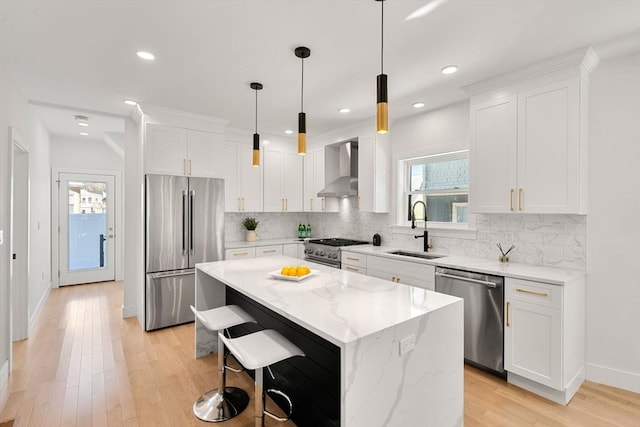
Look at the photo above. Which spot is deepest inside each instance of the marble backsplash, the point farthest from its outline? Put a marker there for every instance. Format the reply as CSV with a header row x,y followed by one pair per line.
x,y
547,240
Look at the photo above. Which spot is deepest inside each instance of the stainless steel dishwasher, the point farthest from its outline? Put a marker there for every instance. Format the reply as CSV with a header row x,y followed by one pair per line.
x,y
483,296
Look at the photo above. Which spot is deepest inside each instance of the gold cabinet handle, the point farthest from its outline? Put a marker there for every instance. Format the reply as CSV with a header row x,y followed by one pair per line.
x,y
353,259
286,204
243,203
311,203
397,280
241,254
350,268
508,321
271,251
511,200
520,191
189,167
184,166
393,279
239,204
527,291
282,204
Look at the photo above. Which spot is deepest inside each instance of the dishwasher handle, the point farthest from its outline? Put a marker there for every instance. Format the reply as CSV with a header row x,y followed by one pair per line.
x,y
467,279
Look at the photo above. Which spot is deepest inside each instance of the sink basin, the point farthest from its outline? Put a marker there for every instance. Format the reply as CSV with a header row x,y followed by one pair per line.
x,y
422,255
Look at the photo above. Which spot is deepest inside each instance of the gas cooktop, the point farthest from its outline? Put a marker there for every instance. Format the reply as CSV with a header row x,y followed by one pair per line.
x,y
338,242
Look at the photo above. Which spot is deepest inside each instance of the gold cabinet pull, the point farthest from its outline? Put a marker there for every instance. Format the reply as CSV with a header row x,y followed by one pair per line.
x,y
270,251
511,200
520,191
527,291
353,259
393,279
243,203
239,204
184,166
350,268
286,204
241,254
282,204
508,321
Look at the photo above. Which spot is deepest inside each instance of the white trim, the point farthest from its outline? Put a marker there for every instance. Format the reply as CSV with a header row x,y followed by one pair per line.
x,y
38,309
563,397
4,384
614,377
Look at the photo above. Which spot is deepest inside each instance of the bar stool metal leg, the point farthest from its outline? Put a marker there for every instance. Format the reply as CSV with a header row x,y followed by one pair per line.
x,y
215,406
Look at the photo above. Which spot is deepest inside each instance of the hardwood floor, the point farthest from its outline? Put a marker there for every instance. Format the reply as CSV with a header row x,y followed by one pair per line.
x,y
86,366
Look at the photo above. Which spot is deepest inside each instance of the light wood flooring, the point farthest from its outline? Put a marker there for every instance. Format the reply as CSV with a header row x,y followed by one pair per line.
x,y
86,366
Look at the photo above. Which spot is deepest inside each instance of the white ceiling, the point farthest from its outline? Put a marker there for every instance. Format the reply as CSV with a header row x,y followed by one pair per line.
x,y
82,53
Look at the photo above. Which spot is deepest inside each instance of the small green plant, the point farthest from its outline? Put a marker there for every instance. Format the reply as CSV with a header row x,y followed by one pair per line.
x,y
250,223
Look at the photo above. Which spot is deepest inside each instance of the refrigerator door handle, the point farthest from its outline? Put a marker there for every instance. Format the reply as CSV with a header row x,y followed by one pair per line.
x,y
192,195
171,273
184,223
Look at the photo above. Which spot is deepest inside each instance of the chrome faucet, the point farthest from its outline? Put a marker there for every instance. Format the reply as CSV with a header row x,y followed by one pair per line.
x,y
425,233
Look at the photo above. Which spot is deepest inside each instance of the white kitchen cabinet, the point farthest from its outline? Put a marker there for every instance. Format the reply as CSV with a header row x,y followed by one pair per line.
x,y
354,262
314,182
294,250
529,139
177,151
271,250
243,182
374,169
282,180
239,253
399,271
544,337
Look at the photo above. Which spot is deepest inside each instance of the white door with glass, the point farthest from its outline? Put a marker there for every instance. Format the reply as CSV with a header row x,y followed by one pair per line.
x,y
86,228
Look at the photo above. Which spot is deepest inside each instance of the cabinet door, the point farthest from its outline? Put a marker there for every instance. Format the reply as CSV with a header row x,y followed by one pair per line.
x,y
549,148
322,204
204,154
165,150
493,156
262,251
273,180
292,184
532,342
250,191
291,250
229,170
309,193
373,173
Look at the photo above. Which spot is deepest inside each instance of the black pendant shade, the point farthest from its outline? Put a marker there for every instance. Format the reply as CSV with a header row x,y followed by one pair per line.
x,y
256,137
302,53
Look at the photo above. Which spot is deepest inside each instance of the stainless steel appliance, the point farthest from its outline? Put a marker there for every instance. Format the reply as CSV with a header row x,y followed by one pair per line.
x,y
184,226
483,296
327,251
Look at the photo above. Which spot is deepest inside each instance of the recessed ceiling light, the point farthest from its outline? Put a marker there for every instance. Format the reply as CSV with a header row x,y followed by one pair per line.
x,y
85,124
288,131
84,133
146,55
450,69
82,120
344,110
418,104
130,102
265,141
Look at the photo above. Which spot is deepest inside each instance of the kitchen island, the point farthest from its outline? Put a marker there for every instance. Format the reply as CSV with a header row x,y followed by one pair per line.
x,y
398,349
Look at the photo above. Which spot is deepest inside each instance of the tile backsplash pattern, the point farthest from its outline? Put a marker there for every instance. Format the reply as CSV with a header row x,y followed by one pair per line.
x,y
547,240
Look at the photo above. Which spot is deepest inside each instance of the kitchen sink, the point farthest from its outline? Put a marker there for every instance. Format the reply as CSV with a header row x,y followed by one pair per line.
x,y
422,255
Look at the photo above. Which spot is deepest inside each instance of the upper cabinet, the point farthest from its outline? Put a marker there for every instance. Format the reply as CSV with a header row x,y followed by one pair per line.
x,y
374,173
178,151
528,138
314,182
282,180
243,182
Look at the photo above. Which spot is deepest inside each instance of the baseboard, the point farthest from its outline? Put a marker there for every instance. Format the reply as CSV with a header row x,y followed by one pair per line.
x,y
613,377
129,311
4,384
36,312
561,397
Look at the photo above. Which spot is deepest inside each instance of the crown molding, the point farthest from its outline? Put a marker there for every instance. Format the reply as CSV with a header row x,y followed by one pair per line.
x,y
585,59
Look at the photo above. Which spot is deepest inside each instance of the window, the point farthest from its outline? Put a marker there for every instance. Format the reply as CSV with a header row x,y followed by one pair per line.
x,y
442,183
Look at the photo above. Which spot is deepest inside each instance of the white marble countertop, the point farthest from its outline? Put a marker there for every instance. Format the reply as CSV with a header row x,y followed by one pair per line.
x,y
337,305
265,242
556,276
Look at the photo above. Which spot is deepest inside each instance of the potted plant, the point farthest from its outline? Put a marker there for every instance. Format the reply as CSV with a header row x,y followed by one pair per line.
x,y
250,224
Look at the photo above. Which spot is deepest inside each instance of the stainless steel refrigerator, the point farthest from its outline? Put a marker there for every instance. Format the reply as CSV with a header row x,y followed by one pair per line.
x,y
184,226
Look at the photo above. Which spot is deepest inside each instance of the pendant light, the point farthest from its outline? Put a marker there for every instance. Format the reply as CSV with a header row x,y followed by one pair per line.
x,y
256,138
302,53
382,121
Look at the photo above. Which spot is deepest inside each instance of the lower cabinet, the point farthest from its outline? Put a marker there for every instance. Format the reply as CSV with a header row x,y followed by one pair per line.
x,y
544,337
405,272
294,250
354,262
240,253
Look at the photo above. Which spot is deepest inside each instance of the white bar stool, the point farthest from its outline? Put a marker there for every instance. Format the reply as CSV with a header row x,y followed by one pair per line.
x,y
223,403
257,351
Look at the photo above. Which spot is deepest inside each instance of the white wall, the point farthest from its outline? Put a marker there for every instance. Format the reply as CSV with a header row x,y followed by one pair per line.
x,y
82,155
38,144
613,293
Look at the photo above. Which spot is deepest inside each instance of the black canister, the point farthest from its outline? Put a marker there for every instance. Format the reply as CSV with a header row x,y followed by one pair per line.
x,y
376,240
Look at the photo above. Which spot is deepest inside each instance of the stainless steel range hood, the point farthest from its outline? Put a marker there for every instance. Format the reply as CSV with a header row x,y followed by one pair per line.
x,y
341,170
